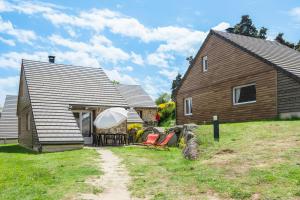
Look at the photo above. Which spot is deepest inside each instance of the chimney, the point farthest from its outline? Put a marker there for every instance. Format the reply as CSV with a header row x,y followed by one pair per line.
x,y
51,59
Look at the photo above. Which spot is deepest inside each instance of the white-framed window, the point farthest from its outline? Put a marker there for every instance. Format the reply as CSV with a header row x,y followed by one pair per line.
x,y
244,94
188,106
204,64
28,121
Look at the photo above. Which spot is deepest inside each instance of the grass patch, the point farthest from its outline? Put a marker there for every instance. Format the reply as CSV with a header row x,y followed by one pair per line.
x,y
260,159
27,175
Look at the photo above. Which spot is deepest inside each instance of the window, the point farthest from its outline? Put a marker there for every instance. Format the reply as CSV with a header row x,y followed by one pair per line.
x,y
204,64
140,113
188,106
244,94
84,121
28,121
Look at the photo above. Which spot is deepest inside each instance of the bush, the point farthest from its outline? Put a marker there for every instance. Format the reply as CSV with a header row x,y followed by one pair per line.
x,y
134,126
166,112
138,135
181,143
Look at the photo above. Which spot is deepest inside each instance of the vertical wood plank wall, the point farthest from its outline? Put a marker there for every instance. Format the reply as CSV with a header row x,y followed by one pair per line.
x,y
211,91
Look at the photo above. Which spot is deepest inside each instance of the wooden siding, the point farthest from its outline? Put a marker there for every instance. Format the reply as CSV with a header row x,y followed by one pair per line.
x,y
211,91
27,138
288,94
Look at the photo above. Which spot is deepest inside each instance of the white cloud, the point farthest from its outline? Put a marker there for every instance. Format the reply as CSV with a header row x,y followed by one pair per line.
x,y
177,39
8,42
98,50
129,68
159,59
295,12
121,77
14,59
28,7
170,74
21,35
76,58
137,59
124,69
100,40
71,31
8,85
221,26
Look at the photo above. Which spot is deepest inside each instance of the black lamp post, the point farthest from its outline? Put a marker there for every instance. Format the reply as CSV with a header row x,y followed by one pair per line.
x,y
216,128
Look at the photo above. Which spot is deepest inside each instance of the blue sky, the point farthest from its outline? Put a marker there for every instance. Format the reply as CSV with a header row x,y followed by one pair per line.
x,y
135,42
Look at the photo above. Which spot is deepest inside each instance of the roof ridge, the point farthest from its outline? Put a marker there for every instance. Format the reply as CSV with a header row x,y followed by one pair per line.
x,y
250,37
61,65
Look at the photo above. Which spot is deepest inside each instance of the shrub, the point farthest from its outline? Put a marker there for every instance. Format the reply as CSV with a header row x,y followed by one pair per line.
x,y
181,143
138,135
166,112
134,126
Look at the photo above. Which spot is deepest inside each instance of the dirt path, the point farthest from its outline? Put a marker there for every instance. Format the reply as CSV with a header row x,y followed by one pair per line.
x,y
114,181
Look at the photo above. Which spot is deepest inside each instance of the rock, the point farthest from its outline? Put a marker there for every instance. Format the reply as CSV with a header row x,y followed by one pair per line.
x,y
191,149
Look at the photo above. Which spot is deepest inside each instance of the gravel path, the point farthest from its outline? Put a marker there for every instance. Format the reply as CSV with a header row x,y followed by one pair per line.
x,y
113,183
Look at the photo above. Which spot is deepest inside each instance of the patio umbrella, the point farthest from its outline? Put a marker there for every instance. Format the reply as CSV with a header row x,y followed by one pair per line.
x,y
110,118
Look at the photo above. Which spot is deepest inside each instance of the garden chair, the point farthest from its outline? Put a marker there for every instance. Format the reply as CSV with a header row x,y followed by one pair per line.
x,y
165,141
151,139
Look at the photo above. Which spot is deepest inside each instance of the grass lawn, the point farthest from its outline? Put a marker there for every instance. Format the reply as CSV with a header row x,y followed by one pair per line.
x,y
27,175
254,160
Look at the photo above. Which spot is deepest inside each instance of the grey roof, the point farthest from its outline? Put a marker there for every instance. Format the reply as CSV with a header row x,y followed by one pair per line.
x,y
136,96
54,87
279,55
133,117
9,120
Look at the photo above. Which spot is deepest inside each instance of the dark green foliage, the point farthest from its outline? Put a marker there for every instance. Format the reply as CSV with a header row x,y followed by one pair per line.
x,y
297,46
263,33
163,98
175,85
279,38
115,82
247,28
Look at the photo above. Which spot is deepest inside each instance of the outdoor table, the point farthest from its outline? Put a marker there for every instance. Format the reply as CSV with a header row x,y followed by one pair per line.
x,y
113,139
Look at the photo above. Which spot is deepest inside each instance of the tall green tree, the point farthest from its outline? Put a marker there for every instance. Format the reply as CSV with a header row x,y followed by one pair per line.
x,y
247,28
175,85
279,38
163,98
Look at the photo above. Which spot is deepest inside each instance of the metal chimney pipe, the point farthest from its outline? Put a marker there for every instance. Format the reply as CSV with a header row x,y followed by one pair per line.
x,y
51,59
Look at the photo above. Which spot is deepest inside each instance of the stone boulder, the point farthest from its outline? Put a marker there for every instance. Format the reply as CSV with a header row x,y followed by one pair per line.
x,y
190,151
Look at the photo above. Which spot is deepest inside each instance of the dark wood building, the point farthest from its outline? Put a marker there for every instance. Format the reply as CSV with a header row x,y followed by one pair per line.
x,y
239,78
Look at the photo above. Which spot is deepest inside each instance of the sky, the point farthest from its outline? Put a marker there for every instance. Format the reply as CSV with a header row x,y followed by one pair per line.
x,y
134,41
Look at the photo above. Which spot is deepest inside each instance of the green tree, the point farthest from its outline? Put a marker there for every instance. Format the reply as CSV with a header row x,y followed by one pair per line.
x,y
115,82
175,85
247,28
279,38
297,46
163,98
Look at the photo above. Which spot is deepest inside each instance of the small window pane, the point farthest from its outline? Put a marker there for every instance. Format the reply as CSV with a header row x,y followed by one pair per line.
x,y
245,94
188,106
86,124
204,63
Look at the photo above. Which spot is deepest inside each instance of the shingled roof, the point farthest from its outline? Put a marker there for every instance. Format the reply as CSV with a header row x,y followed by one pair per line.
x,y
54,87
9,120
133,117
136,96
276,54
